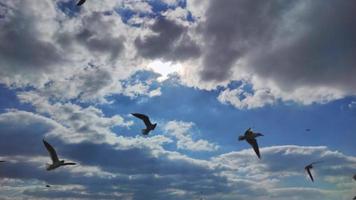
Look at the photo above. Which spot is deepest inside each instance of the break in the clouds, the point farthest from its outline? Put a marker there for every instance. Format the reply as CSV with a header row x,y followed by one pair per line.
x,y
204,71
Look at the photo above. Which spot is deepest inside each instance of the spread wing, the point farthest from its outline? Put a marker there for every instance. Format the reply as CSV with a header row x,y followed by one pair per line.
x,y
51,151
81,2
310,175
253,143
144,118
70,163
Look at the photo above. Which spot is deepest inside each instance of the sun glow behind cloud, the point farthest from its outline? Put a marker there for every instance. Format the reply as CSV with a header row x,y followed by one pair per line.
x,y
164,68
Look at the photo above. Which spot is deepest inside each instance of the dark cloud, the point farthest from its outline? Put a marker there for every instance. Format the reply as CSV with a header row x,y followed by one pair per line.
x,y
171,41
294,43
21,47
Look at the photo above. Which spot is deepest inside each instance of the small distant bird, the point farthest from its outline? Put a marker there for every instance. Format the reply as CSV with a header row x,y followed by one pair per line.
x,y
308,129
146,120
308,169
55,161
48,186
250,137
81,2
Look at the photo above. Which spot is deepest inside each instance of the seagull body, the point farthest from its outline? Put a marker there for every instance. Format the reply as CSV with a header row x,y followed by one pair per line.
x,y
81,2
308,169
250,137
146,120
55,161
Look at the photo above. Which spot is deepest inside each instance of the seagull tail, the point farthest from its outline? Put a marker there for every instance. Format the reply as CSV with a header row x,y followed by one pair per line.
x,y
145,131
154,126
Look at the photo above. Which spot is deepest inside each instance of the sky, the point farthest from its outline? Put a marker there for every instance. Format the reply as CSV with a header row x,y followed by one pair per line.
x,y
204,71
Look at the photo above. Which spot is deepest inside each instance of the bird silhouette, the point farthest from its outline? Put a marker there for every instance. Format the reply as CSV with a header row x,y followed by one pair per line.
x,y
250,137
309,167
48,186
308,129
81,2
146,120
55,161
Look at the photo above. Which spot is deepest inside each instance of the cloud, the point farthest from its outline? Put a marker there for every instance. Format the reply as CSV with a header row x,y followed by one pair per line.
x,y
170,41
180,131
242,99
276,47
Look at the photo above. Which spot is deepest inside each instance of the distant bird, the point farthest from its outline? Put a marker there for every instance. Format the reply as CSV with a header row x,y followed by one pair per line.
x,y
146,120
250,137
55,161
308,169
308,129
48,186
81,2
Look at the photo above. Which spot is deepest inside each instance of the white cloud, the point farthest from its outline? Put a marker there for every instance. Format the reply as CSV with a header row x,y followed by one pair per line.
x,y
181,131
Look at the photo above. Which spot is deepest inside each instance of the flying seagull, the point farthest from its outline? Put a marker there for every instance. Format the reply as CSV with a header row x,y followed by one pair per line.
x,y
146,120
81,2
309,167
55,161
250,137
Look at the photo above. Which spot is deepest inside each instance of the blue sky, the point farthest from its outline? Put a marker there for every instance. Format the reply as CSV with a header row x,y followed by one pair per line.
x,y
204,72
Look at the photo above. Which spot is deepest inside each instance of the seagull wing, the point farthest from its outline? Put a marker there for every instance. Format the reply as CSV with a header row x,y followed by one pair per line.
x,y
70,163
144,118
51,151
81,2
253,143
310,175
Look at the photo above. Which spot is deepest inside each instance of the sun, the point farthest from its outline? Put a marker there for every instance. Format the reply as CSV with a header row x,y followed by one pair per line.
x,y
164,68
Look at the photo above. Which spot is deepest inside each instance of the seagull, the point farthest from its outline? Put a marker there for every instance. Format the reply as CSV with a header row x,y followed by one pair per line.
x,y
146,120
250,137
55,161
309,167
81,2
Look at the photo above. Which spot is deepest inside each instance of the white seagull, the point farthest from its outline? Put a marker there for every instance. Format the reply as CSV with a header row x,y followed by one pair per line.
x,y
55,161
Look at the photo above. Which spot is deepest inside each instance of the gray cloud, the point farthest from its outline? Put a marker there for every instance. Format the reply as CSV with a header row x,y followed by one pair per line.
x,y
171,41
299,43
22,49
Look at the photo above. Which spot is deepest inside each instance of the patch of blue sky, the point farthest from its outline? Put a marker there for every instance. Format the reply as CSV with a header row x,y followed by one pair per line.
x,y
69,8
9,100
282,124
